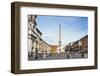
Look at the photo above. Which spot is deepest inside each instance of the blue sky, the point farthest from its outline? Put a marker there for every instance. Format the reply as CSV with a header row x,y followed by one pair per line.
x,y
72,28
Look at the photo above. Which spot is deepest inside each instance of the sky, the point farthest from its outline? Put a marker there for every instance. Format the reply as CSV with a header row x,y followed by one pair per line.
x,y
72,28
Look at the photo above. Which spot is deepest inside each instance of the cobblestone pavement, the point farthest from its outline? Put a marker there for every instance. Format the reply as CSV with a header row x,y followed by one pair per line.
x,y
53,57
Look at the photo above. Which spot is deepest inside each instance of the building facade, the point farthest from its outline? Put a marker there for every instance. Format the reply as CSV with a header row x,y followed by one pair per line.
x,y
53,48
36,45
44,48
78,48
81,44
34,36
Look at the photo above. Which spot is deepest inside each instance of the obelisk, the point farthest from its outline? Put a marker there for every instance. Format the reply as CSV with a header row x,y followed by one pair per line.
x,y
59,38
